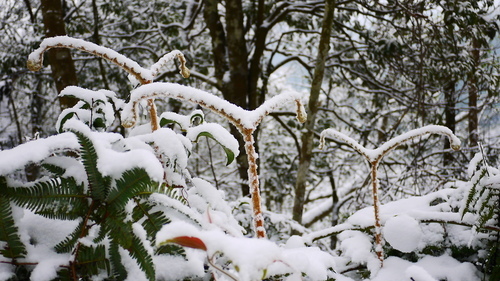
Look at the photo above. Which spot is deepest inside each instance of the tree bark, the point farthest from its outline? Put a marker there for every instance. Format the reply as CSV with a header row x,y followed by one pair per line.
x,y
60,60
230,56
473,97
308,134
450,115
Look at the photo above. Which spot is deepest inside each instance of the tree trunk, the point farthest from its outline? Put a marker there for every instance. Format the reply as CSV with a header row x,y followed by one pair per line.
x,y
335,215
230,56
308,134
450,122
473,96
61,63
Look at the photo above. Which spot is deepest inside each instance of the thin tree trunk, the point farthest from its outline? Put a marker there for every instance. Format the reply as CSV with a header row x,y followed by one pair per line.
x,y
450,115
230,55
308,134
60,60
473,96
335,215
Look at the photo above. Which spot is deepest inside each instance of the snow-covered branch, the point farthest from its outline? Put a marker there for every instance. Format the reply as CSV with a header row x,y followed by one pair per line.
x,y
35,59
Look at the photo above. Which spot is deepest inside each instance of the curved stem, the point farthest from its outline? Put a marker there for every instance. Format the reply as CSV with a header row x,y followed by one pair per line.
x,y
375,156
376,212
143,75
253,178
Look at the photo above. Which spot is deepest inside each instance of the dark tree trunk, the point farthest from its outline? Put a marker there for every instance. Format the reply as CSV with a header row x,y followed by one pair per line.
x,y
308,134
61,63
335,215
450,122
473,96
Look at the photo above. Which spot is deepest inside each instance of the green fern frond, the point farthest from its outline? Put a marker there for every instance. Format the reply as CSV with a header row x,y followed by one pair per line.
x,y
14,248
64,275
486,210
68,244
143,258
473,191
152,222
170,249
119,271
59,198
92,260
174,193
119,230
130,184
98,185
54,169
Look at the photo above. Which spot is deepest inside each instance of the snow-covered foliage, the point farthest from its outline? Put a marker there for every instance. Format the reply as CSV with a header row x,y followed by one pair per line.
x,y
108,206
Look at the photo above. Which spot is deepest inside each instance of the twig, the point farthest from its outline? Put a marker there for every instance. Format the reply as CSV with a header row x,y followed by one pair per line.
x,y
374,157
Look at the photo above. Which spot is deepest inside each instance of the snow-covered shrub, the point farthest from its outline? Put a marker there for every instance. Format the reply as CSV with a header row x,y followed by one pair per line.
x,y
451,234
102,198
108,206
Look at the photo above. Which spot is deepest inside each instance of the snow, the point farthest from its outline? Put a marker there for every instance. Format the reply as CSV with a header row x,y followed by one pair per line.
x,y
40,235
35,151
219,133
235,114
375,154
403,233
113,163
35,59
428,268
253,258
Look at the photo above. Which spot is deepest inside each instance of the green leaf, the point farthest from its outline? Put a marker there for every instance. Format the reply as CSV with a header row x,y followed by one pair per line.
x,y
144,259
119,271
197,118
56,198
14,248
92,260
98,123
152,222
68,244
229,153
164,122
98,185
66,117
119,230
54,169
170,249
129,185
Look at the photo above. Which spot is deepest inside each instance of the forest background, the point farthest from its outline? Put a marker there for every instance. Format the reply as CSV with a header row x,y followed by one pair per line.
x,y
376,70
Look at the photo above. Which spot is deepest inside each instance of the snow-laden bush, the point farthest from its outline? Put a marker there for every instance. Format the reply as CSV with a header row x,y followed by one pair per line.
x,y
451,234
110,207
113,207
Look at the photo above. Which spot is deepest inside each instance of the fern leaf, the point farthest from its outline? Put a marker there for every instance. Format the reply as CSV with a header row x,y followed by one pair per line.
x,y
59,198
119,230
143,258
92,260
14,248
68,244
54,169
152,221
119,271
98,185
473,191
170,249
129,185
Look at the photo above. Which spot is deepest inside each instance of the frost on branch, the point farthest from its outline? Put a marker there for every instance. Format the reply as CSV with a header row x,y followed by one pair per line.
x,y
374,156
35,59
246,121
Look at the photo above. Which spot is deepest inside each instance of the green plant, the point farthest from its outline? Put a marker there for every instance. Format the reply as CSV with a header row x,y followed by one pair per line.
x,y
100,206
482,207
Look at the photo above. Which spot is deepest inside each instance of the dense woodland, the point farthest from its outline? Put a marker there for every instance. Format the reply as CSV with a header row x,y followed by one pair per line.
x,y
365,71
